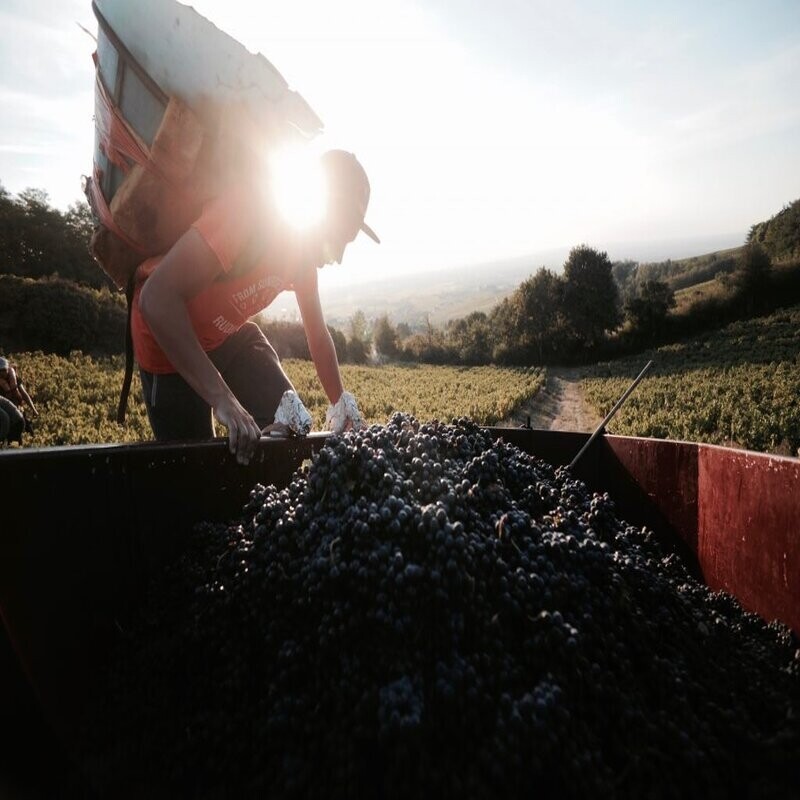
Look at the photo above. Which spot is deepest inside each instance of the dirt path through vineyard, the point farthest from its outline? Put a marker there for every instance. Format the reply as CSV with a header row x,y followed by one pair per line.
x,y
559,405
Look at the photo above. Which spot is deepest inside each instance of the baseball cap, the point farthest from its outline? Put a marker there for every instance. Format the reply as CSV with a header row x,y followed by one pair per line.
x,y
347,178
3,363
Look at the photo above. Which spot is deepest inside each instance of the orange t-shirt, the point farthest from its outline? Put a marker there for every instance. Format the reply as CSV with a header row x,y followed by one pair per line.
x,y
248,282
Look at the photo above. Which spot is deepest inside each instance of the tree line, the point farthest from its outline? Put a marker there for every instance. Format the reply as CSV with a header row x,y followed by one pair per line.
x,y
59,300
39,241
594,309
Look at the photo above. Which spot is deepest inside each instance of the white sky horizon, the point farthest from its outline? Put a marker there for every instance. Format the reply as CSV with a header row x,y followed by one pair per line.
x,y
489,129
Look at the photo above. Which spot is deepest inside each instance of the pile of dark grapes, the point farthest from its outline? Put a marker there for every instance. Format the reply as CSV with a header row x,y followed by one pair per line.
x,y
427,612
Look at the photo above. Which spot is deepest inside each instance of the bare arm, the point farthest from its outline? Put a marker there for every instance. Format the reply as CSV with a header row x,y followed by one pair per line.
x,y
27,398
188,268
320,343
12,387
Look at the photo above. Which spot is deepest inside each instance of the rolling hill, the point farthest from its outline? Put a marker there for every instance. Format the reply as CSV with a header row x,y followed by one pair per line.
x,y
442,295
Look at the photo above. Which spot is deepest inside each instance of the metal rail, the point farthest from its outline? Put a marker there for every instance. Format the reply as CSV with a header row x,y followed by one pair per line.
x,y
602,426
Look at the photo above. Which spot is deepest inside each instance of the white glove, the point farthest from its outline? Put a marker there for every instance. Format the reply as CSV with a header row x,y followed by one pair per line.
x,y
344,415
291,416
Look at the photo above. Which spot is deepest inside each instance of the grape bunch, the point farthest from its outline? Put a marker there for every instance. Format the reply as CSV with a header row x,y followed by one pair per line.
x,y
425,611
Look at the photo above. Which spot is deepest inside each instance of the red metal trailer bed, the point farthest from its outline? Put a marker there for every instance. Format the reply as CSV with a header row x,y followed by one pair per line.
x,y
80,535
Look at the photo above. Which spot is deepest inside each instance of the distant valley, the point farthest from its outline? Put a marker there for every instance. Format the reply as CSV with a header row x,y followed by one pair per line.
x,y
442,295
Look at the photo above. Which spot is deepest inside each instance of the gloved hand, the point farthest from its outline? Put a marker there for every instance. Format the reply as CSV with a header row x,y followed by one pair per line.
x,y
291,417
344,415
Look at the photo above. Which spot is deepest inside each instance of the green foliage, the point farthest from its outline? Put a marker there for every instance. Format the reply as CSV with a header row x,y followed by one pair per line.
x,y
358,343
359,327
77,400
548,319
780,234
591,299
545,320
429,347
470,338
77,396
357,352
625,274
37,240
58,316
486,394
737,386
530,322
339,343
289,338
648,309
752,278
385,337
686,271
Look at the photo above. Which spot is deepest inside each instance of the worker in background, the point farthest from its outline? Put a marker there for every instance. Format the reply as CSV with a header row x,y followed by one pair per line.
x,y
12,423
14,398
196,349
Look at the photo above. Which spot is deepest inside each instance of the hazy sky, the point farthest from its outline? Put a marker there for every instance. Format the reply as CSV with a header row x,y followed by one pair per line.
x,y
489,129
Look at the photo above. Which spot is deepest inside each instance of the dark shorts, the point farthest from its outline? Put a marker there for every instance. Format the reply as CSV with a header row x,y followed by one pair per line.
x,y
248,364
12,422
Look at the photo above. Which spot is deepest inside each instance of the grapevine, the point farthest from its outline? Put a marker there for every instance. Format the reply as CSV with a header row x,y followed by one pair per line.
x,y
77,396
739,387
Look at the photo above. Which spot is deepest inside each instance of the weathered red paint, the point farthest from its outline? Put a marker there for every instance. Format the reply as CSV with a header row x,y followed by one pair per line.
x,y
738,512
665,472
748,529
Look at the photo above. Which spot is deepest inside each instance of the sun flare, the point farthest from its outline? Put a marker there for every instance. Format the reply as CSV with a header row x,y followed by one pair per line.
x,y
297,184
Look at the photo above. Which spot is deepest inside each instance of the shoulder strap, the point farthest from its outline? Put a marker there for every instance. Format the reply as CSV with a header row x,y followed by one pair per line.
x,y
126,381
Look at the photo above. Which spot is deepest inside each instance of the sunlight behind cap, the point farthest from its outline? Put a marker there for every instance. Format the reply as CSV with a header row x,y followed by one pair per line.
x,y
298,186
